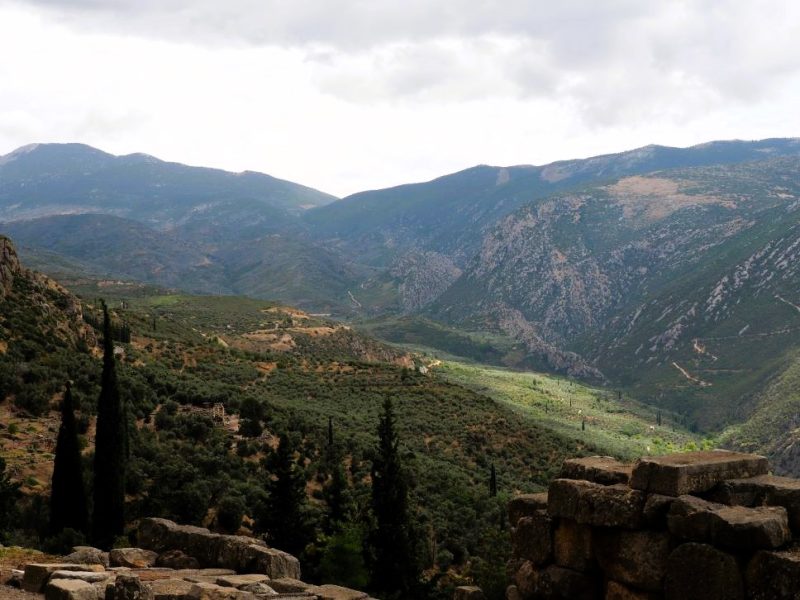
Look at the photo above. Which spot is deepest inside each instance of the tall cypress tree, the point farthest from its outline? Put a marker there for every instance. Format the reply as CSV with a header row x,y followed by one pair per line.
x,y
284,519
110,455
395,570
493,482
68,496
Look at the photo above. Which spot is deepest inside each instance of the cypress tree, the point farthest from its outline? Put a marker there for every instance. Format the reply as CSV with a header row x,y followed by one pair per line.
x,y
284,518
330,431
9,500
68,497
395,569
110,455
493,482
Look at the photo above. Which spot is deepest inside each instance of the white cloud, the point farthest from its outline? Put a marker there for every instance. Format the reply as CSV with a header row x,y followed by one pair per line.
x,y
347,94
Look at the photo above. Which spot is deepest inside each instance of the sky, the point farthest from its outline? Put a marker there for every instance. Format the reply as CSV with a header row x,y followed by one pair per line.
x,y
349,95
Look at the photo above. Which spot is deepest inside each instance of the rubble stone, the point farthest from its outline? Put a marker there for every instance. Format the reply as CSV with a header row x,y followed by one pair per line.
x,y
238,581
532,538
636,558
37,574
129,587
594,504
171,589
694,472
768,490
525,505
209,591
701,572
572,546
133,558
774,575
87,555
69,589
176,559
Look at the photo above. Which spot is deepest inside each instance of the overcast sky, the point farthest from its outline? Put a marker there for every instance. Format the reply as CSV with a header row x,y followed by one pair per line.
x,y
347,95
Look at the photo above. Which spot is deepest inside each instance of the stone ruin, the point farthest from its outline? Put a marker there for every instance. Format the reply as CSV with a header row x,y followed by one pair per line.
x,y
178,562
699,525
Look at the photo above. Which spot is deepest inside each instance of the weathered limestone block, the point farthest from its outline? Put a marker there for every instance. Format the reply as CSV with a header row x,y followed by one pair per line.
x,y
133,558
242,554
618,591
287,585
258,589
694,472
468,592
525,505
87,555
656,508
768,490
572,546
774,575
636,558
594,504
171,589
209,591
729,527
69,589
532,538
87,576
176,559
336,592
701,572
129,587
605,470
37,574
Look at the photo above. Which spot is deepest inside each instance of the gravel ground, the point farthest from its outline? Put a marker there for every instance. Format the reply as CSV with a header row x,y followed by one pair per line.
x,y
9,593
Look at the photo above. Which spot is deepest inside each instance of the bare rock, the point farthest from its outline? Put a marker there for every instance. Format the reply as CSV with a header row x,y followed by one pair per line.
x,y
37,574
512,593
525,505
635,558
209,591
594,504
605,470
532,538
133,558
694,472
129,587
87,576
701,572
287,585
171,589
774,575
560,583
238,581
176,559
336,592
656,508
87,555
767,490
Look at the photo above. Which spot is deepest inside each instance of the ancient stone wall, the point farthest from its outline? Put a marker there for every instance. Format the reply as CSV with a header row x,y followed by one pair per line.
x,y
700,525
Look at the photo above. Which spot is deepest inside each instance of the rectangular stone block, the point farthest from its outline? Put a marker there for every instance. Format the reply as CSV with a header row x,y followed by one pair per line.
x,y
729,527
525,505
532,538
599,469
769,490
37,574
701,572
635,558
572,546
70,589
774,575
595,504
694,472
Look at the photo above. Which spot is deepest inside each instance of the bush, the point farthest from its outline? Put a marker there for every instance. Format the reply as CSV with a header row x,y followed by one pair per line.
x,y
230,513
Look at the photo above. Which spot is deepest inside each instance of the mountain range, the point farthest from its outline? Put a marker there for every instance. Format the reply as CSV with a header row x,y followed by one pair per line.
x,y
671,272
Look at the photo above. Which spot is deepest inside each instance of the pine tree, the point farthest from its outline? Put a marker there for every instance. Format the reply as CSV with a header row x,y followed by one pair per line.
x,y
111,448
284,519
9,500
493,482
396,569
330,431
337,496
68,496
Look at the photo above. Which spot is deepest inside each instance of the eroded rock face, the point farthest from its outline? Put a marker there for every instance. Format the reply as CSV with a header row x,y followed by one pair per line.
x,y
133,558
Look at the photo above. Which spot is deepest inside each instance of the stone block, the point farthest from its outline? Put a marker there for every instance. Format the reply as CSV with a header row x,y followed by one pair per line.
x,y
701,572
618,591
129,587
767,490
527,580
209,591
468,592
605,470
69,589
729,527
171,589
133,558
532,538
656,508
559,583
37,574
239,581
525,505
287,585
336,592
512,593
635,558
572,546
87,555
595,504
694,472
773,575
87,576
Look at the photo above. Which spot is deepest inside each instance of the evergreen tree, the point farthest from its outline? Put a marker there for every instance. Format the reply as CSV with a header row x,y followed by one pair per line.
x,y
395,570
337,496
284,518
111,448
68,497
493,482
330,431
9,500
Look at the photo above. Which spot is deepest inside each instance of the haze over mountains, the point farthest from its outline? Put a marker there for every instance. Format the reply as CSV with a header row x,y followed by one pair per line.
x,y
672,271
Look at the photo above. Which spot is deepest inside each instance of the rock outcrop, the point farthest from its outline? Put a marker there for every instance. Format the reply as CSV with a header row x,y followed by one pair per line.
x,y
710,525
